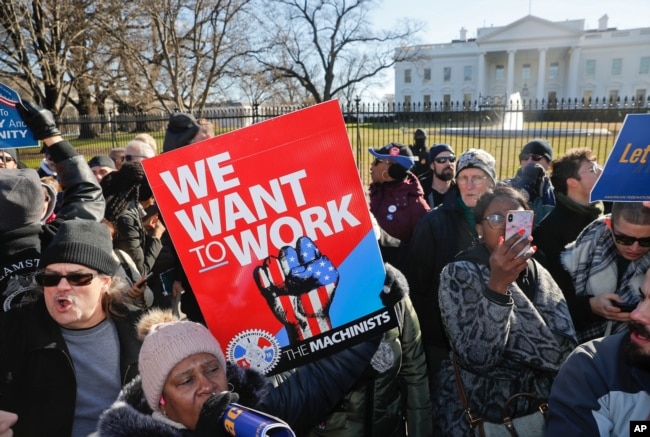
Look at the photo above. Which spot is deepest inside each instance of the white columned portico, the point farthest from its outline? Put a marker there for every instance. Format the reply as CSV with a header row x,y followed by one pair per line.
x,y
510,79
481,74
541,74
574,63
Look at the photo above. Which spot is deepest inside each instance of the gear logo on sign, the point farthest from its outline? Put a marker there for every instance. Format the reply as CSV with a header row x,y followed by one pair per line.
x,y
254,348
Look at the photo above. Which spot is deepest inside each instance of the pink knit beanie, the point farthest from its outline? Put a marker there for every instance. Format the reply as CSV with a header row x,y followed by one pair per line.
x,y
167,344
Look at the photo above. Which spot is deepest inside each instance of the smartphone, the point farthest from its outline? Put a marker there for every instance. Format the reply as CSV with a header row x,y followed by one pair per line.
x,y
149,276
517,220
625,307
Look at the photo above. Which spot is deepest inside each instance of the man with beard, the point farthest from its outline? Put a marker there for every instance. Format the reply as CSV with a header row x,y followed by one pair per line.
x,y
436,182
605,383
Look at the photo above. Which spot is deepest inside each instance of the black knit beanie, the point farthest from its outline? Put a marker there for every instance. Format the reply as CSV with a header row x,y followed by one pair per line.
x,y
84,242
21,199
181,129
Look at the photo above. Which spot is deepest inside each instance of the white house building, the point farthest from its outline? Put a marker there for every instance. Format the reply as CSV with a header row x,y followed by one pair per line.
x,y
540,59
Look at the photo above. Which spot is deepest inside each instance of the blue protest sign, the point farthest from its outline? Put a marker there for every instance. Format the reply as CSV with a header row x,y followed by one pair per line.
x,y
626,176
13,132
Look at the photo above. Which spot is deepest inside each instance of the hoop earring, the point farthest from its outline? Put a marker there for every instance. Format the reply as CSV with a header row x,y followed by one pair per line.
x,y
231,388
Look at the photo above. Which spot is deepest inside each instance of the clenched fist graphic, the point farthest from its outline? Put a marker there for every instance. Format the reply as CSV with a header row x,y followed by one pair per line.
x,y
299,287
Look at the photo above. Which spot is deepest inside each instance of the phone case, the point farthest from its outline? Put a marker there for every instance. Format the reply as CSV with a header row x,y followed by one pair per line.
x,y
516,220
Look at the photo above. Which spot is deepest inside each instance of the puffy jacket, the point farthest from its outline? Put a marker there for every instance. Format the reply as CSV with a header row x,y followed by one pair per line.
x,y
37,377
299,397
395,383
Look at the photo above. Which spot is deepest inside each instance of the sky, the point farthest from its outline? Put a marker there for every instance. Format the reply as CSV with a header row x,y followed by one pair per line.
x,y
444,19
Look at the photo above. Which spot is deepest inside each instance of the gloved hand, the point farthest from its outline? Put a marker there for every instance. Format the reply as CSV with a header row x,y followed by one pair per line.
x,y
40,121
395,286
209,423
531,179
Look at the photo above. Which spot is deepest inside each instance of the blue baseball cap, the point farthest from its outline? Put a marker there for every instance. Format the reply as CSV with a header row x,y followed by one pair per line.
x,y
397,152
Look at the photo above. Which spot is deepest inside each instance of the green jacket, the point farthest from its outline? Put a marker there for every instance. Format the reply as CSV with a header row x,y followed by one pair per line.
x,y
395,383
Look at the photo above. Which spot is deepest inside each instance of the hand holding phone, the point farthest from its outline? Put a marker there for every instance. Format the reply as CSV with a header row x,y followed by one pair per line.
x,y
516,221
625,307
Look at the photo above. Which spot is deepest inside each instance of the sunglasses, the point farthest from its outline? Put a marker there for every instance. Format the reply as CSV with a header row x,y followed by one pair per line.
x,y
626,240
496,221
444,159
533,156
7,158
378,161
53,279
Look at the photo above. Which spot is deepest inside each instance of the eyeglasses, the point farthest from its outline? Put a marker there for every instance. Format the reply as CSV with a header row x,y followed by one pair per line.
x,y
533,156
476,180
444,159
53,279
496,221
595,169
7,158
378,161
626,240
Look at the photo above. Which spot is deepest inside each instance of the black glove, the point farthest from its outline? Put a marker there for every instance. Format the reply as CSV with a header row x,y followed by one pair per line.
x,y
531,179
395,286
209,423
40,121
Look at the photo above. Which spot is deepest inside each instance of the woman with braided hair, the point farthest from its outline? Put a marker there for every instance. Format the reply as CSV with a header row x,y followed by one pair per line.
x,y
127,194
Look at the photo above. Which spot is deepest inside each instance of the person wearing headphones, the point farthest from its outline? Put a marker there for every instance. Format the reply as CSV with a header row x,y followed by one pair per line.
x,y
396,196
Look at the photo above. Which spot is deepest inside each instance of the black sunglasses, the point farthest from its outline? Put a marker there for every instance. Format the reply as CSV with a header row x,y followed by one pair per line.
x,y
53,279
444,159
626,240
533,156
7,158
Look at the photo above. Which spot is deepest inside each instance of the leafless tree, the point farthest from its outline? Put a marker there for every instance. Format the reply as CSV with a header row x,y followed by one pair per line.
x,y
329,46
36,42
180,49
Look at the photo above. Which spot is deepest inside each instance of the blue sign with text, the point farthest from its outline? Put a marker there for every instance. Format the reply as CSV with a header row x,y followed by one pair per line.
x,y
13,132
626,176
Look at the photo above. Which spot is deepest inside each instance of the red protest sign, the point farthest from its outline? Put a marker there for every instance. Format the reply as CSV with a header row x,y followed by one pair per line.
x,y
273,230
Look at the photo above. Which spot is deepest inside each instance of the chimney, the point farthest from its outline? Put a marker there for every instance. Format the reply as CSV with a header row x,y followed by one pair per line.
x,y
463,34
602,22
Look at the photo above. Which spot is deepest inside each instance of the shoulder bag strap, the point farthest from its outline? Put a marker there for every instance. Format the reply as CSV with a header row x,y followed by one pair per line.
x,y
473,422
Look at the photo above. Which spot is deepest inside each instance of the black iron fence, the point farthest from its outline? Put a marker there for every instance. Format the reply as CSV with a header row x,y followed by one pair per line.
x,y
494,124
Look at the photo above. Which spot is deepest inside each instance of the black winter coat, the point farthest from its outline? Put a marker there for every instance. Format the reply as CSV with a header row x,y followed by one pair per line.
x,y
439,236
37,377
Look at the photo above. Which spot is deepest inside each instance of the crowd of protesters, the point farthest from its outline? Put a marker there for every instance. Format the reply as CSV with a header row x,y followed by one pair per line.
x,y
94,342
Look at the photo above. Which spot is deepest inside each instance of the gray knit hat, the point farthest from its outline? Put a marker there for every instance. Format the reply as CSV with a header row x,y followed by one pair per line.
x,y
167,344
476,158
84,242
21,198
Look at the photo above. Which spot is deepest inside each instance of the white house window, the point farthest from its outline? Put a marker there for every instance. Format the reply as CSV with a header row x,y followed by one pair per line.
x,y
446,74
407,76
644,67
590,69
617,66
554,70
427,74
467,73
499,73
525,72
427,102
